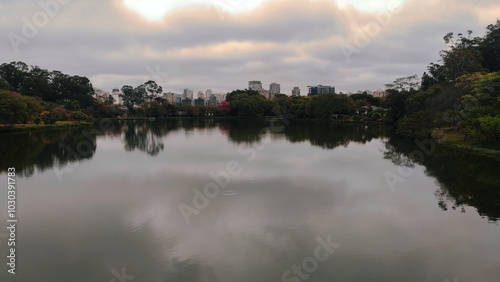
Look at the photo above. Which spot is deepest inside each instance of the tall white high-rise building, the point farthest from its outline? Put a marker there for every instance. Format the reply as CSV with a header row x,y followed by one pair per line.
x,y
296,91
201,95
187,93
255,85
274,88
208,93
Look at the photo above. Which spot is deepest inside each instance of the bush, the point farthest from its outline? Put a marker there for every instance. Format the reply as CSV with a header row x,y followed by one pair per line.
x,y
15,108
79,116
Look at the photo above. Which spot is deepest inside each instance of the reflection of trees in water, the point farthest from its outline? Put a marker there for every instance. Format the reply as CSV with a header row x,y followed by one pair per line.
x,y
398,158
39,151
244,130
147,136
464,180
326,135
141,137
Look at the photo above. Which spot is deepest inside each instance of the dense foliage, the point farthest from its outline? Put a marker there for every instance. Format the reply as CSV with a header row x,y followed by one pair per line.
x,y
35,95
460,94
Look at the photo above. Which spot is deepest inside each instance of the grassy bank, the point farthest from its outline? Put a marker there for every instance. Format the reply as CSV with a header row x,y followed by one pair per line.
x,y
455,140
169,118
41,127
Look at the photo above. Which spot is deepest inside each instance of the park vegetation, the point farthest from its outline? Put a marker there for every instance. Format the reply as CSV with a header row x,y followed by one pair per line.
x,y
458,98
34,95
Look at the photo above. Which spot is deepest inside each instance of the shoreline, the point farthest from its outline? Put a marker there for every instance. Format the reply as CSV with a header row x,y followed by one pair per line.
x,y
21,128
453,140
462,147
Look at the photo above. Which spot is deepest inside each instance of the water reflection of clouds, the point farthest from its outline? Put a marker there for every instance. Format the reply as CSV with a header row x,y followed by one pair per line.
x,y
384,228
244,230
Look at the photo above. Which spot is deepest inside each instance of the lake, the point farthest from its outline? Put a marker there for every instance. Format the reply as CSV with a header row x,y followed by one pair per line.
x,y
247,200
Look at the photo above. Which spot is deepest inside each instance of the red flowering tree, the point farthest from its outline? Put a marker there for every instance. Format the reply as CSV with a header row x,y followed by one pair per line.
x,y
225,107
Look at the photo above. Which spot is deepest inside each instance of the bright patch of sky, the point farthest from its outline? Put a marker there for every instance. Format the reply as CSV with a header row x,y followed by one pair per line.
x,y
155,10
370,6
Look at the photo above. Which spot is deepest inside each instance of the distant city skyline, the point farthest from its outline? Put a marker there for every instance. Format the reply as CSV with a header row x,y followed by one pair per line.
x,y
206,93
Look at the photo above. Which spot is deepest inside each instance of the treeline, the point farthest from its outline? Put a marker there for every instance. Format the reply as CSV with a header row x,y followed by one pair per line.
x,y
459,95
331,106
143,101
30,94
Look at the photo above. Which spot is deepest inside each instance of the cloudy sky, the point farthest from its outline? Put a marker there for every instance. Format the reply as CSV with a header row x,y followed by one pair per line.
x,y
222,44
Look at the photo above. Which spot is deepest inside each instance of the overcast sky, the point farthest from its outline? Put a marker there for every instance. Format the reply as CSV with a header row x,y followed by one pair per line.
x,y
222,44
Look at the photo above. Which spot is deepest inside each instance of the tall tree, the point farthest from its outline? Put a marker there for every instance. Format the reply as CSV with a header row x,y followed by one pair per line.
x,y
14,73
37,83
407,83
152,90
132,97
490,47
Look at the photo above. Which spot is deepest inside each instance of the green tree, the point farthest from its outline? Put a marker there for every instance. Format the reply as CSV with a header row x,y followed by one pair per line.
x,y
109,100
324,106
15,108
408,83
133,96
37,83
395,103
14,73
490,126
231,95
461,56
250,105
4,85
417,123
365,99
154,109
152,90
79,116
489,47
34,108
12,109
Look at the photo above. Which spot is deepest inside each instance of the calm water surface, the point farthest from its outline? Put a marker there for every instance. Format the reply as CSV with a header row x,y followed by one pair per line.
x,y
304,201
